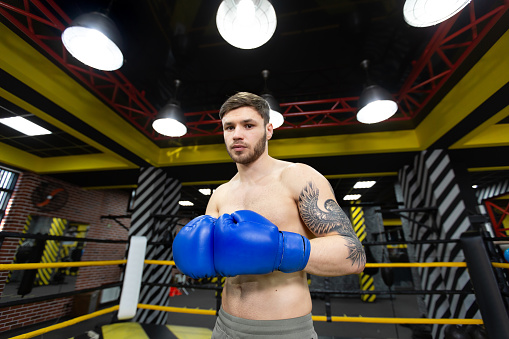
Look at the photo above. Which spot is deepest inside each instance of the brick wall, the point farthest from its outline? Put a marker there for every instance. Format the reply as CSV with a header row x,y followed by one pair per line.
x,y
83,206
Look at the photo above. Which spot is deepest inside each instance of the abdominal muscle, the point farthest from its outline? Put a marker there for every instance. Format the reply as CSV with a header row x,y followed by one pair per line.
x,y
271,296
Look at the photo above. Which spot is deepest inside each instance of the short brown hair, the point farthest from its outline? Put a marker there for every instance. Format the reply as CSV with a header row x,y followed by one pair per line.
x,y
245,99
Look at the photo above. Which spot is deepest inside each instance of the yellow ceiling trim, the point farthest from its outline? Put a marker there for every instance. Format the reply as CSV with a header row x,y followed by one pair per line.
x,y
345,144
29,108
320,146
26,64
80,163
15,157
486,169
487,134
496,135
485,78
193,155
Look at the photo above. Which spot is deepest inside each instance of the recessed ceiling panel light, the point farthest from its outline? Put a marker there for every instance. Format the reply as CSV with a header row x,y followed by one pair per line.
x,y
364,184
24,126
185,203
205,191
352,197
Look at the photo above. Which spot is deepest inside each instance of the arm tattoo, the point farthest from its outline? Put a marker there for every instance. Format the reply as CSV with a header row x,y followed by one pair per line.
x,y
331,220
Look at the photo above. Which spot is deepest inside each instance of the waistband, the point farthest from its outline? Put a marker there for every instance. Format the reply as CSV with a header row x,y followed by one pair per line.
x,y
266,327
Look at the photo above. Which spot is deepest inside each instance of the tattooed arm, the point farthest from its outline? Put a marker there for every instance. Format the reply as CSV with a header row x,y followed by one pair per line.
x,y
336,250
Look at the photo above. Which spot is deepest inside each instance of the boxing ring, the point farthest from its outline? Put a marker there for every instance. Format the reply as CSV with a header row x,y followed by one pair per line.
x,y
484,283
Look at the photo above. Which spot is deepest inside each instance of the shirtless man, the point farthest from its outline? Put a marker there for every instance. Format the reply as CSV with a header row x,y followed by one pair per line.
x,y
272,223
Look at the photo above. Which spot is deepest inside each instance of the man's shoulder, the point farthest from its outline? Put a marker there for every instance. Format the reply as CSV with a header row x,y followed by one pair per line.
x,y
297,169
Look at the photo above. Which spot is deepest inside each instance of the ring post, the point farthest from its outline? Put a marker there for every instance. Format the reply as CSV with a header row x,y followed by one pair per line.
x,y
485,285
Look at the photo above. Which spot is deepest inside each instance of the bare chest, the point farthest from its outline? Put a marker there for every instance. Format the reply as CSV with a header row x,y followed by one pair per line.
x,y
274,202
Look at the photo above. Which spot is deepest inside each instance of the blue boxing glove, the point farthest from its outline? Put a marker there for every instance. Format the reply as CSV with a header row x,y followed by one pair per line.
x,y
247,243
193,248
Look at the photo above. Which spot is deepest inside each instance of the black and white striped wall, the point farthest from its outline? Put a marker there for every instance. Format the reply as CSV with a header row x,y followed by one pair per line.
x,y
492,191
157,194
431,182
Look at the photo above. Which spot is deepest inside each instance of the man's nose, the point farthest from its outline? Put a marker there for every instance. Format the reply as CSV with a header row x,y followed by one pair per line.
x,y
237,134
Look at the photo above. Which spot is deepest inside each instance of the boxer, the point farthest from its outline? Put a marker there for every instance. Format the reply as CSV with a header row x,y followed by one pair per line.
x,y
272,223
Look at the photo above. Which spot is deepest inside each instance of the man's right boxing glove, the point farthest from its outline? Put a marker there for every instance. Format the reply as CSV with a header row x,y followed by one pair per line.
x,y
247,243
193,248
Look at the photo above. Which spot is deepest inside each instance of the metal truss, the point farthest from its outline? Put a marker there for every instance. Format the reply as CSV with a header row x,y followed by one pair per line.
x,y
44,21
497,215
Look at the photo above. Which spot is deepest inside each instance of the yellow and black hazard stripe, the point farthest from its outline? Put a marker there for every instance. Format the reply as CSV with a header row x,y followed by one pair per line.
x,y
366,282
51,251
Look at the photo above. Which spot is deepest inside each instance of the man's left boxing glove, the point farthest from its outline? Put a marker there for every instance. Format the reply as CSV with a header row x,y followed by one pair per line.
x,y
193,248
247,243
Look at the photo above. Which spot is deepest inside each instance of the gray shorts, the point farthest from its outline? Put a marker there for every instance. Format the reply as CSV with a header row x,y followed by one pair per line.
x,y
230,327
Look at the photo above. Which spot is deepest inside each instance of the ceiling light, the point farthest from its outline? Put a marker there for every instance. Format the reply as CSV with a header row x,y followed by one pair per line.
x,y
474,186
424,13
205,191
93,39
364,184
352,197
246,24
185,203
24,126
276,118
170,120
375,103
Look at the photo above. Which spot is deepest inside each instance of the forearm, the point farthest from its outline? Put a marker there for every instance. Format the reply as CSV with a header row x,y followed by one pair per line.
x,y
335,255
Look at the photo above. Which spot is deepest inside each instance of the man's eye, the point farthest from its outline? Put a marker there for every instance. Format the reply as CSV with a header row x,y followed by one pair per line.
x,y
249,126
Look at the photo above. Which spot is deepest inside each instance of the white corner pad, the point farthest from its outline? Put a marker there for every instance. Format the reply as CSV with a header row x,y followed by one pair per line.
x,y
132,278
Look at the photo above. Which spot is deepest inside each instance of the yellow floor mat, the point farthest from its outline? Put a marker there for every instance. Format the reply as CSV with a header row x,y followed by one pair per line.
x,y
186,332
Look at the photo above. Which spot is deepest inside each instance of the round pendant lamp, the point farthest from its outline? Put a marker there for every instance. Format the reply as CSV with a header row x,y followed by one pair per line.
x,y
276,118
425,13
170,120
375,103
246,24
94,40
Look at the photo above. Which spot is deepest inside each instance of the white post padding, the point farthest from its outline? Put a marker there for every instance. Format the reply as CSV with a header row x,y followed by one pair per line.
x,y
132,278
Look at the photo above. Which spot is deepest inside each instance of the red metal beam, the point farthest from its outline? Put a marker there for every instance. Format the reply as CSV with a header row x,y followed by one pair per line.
x,y
433,69
424,68
497,224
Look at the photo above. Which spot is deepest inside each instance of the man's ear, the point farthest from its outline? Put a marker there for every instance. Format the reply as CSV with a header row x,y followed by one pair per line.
x,y
270,131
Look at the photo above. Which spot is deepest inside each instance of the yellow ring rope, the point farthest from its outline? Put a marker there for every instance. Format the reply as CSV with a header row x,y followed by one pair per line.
x,y
29,266
176,309
500,265
15,267
334,318
65,323
419,264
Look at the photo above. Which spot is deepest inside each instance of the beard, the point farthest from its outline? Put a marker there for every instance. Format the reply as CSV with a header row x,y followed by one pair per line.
x,y
249,157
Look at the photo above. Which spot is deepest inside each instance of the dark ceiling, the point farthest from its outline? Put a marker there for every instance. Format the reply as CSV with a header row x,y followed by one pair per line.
x,y
450,81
